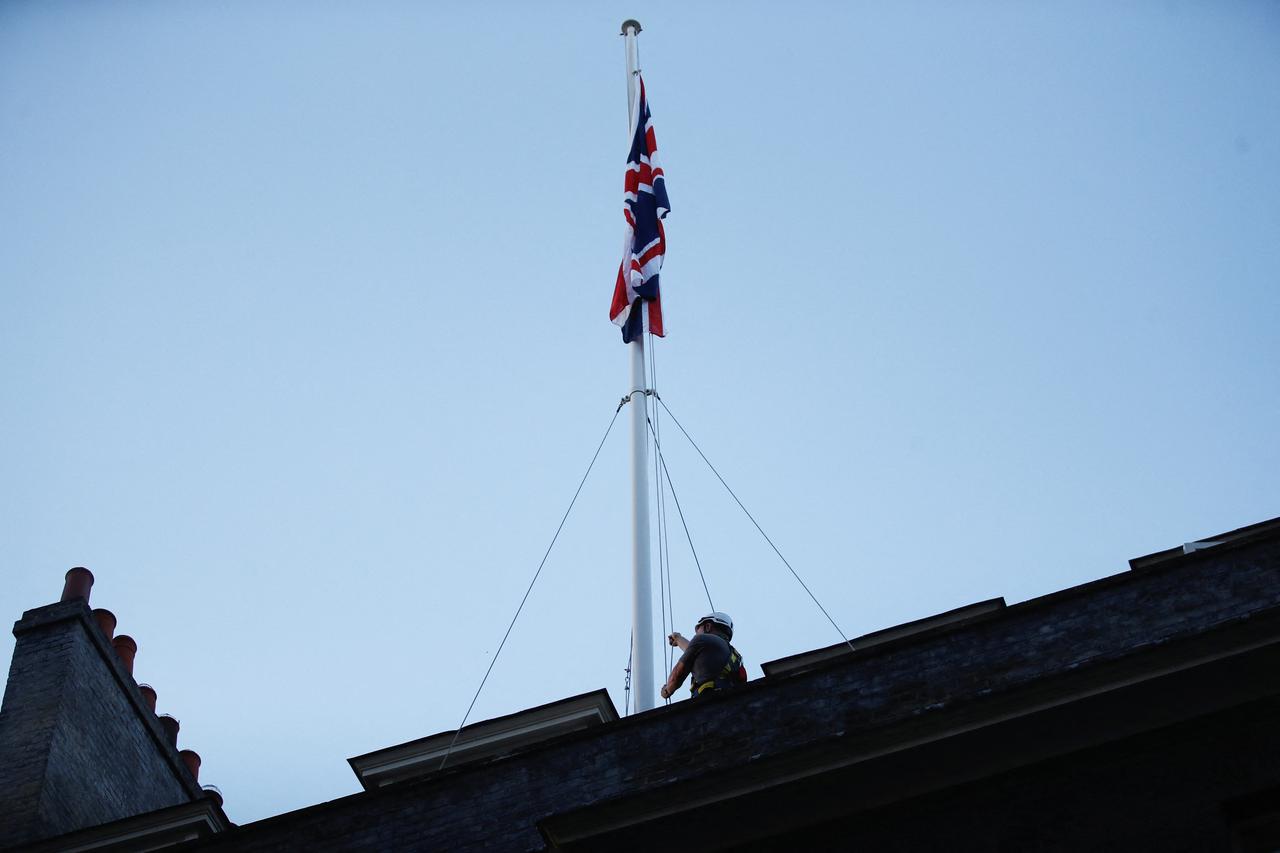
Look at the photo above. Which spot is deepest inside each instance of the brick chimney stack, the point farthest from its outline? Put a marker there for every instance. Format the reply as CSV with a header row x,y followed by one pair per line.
x,y
80,744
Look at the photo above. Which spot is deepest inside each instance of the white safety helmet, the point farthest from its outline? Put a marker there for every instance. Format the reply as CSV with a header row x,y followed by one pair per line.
x,y
720,618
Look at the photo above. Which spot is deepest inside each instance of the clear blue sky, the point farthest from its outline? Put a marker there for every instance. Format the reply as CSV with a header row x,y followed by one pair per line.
x,y
303,335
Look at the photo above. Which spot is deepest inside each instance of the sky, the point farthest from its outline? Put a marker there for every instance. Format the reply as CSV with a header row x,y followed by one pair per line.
x,y
304,343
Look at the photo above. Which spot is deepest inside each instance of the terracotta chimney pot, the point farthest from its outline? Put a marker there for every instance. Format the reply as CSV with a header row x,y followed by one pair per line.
x,y
192,759
148,695
126,649
170,726
79,582
106,621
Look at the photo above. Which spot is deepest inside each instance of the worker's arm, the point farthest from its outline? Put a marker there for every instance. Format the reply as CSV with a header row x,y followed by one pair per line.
x,y
677,639
678,673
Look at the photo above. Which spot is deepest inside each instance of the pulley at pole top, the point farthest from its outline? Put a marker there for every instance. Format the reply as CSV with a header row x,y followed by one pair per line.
x,y
632,24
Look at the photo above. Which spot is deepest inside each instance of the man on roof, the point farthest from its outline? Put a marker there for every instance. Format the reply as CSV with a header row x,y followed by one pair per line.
x,y
713,662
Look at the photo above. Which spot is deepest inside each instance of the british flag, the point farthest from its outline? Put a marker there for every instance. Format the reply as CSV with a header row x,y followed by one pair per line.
x,y
644,206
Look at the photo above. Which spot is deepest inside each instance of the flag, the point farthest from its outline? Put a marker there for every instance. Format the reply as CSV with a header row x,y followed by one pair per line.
x,y
644,206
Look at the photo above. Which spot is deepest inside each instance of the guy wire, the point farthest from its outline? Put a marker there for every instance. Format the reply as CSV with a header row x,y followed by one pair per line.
x,y
556,536
795,574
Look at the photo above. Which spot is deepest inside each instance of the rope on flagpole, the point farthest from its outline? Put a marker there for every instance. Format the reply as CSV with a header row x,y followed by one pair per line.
x,y
657,482
666,600
672,486
547,554
794,573
626,684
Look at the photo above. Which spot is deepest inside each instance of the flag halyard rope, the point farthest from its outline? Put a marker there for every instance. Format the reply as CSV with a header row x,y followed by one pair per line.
x,y
666,600
657,482
685,524
626,684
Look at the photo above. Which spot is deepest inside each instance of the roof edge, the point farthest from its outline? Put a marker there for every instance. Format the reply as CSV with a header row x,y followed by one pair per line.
x,y
928,626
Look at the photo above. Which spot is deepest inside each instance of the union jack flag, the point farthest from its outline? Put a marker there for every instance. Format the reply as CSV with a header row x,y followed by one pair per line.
x,y
644,206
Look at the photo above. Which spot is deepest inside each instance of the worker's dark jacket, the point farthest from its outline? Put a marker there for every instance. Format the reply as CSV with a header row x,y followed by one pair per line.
x,y
714,663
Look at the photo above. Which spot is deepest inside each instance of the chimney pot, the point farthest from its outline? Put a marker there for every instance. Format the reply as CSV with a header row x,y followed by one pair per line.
x,y
78,583
125,648
192,759
213,793
170,725
148,695
106,621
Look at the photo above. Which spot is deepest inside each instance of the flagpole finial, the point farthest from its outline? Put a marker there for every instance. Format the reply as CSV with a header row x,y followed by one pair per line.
x,y
630,24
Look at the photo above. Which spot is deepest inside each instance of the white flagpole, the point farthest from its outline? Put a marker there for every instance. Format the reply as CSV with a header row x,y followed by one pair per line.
x,y
642,675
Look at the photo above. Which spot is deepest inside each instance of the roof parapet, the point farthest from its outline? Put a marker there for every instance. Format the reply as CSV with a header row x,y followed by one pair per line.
x,y
1230,537
810,659
490,738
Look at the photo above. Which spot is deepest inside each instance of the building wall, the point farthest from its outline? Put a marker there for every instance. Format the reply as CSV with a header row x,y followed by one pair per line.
x,y
78,747
1173,789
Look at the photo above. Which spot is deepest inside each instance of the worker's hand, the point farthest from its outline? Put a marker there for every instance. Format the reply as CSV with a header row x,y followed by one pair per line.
x,y
666,694
674,639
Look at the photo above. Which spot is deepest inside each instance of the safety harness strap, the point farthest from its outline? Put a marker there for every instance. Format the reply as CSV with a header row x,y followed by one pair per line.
x,y
724,678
